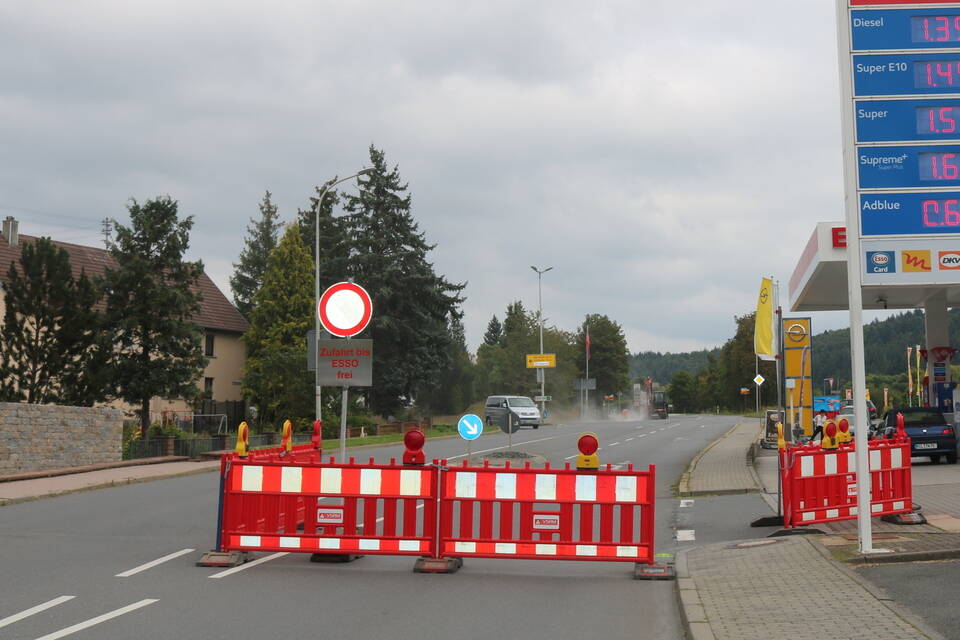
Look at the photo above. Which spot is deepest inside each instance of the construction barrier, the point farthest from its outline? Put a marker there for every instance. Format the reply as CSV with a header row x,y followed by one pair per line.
x,y
552,514
288,499
820,485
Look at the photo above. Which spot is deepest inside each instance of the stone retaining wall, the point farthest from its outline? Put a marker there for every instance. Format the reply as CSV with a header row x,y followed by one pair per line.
x,y
37,437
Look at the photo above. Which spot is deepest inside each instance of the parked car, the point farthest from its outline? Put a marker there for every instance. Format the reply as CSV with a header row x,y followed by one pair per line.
x,y
871,410
930,433
525,411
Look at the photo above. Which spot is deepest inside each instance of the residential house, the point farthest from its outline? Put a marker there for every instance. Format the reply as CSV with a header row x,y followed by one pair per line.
x,y
223,325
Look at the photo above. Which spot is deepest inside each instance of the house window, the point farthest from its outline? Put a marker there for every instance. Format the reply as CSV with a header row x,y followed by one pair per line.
x,y
208,388
208,345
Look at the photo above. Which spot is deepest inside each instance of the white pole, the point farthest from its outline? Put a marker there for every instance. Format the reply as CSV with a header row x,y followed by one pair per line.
x,y
854,268
542,371
316,274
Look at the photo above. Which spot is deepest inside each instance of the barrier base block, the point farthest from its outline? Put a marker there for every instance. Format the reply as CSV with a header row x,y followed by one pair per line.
x,y
768,521
905,518
333,557
653,572
223,558
437,565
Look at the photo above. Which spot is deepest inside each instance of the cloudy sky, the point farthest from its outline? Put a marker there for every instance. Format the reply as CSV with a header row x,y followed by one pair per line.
x,y
661,156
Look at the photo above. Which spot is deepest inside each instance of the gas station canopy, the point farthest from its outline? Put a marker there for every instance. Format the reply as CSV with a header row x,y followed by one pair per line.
x,y
819,280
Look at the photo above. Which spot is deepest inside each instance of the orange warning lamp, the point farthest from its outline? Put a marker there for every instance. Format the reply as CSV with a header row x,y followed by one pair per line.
x,y
414,441
317,438
243,435
588,443
829,439
844,426
286,440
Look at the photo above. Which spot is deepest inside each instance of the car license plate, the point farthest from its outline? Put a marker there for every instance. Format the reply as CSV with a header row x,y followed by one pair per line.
x,y
925,445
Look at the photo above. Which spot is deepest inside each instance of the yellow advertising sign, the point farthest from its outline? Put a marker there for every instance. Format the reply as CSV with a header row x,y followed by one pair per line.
x,y
797,360
541,360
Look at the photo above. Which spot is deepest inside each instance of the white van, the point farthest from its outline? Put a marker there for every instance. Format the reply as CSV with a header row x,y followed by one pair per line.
x,y
525,411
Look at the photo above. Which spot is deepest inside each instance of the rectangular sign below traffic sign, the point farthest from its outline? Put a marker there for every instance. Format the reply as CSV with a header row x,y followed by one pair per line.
x,y
541,360
345,363
542,398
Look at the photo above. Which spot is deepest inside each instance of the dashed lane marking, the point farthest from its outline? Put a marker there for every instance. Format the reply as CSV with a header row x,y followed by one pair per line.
x,y
34,610
685,535
463,455
687,502
613,444
248,565
153,563
86,624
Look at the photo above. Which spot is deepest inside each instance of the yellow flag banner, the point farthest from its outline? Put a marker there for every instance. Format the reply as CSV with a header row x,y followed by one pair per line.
x,y
763,331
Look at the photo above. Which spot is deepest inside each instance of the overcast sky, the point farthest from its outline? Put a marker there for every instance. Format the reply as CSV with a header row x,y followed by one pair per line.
x,y
661,156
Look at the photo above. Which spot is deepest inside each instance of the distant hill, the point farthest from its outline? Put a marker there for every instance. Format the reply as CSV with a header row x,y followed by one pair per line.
x,y
885,343
662,366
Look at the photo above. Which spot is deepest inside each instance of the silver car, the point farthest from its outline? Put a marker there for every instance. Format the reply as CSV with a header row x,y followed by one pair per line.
x,y
524,410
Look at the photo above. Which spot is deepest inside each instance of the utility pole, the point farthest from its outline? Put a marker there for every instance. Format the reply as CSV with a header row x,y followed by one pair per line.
x,y
542,374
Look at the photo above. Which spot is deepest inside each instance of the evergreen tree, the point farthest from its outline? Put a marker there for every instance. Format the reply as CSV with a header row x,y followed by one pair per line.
x,y
412,304
608,355
151,300
276,378
682,392
49,347
453,391
494,332
260,241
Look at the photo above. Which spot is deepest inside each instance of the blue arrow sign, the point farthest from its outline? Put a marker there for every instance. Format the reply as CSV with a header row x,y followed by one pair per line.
x,y
470,426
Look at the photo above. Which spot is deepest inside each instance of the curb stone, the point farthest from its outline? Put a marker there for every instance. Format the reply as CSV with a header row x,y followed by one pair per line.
x,y
692,613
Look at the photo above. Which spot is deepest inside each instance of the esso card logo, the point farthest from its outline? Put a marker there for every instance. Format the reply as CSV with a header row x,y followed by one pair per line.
x,y
881,262
949,260
329,516
546,521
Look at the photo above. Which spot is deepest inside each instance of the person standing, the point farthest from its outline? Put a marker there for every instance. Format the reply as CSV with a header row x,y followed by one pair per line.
x,y
818,421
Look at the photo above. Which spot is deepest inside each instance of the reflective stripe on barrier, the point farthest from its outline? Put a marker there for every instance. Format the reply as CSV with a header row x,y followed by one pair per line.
x,y
820,485
556,514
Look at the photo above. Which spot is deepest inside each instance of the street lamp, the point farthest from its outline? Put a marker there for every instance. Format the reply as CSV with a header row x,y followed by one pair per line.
x,y
543,374
316,264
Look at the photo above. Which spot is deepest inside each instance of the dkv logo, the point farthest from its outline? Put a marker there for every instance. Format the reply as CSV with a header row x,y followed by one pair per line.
x,y
949,260
916,261
881,262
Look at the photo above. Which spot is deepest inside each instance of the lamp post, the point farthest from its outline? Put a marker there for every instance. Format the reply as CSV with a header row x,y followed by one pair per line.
x,y
316,272
543,375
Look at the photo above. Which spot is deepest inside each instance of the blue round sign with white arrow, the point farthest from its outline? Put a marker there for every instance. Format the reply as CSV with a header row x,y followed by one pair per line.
x,y
470,426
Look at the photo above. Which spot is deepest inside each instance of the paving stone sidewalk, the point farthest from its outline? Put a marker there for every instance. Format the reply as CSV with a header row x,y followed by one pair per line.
x,y
723,467
776,588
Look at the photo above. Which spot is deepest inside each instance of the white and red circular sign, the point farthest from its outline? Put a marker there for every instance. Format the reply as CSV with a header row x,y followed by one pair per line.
x,y
345,309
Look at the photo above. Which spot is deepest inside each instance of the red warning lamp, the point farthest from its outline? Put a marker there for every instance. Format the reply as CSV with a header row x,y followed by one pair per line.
x,y
901,432
829,440
844,426
588,443
414,441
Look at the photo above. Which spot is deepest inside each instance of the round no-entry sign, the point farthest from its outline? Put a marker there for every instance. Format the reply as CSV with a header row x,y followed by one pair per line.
x,y
345,309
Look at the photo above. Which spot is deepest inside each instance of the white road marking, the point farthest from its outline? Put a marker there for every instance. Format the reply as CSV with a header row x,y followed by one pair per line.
x,y
686,503
80,626
613,444
641,435
629,439
150,565
273,556
685,535
33,610
463,455
571,457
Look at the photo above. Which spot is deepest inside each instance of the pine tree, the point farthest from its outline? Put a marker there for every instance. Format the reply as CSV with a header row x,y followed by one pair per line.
x,y
608,355
276,377
494,331
260,241
411,303
150,305
49,347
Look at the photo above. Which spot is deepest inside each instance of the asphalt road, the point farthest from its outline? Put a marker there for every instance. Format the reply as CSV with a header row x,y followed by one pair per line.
x,y
928,589
61,558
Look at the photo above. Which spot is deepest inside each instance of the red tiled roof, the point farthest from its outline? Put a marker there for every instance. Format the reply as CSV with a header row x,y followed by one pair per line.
x,y
216,312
